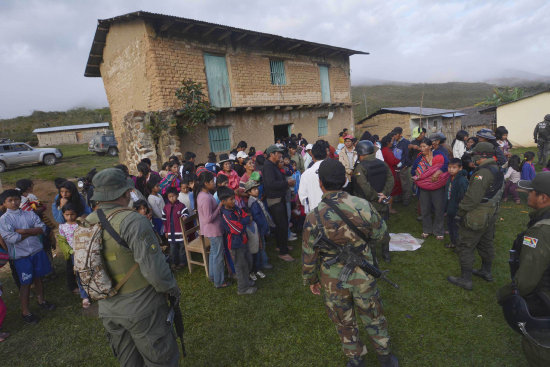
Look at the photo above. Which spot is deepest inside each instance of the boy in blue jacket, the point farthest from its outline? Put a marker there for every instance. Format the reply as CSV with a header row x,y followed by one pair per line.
x,y
234,222
456,188
263,221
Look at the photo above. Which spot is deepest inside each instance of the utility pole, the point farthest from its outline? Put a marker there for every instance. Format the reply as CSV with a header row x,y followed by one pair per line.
x,y
365,102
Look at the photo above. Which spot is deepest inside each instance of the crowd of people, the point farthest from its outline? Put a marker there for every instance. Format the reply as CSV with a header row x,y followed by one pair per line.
x,y
243,198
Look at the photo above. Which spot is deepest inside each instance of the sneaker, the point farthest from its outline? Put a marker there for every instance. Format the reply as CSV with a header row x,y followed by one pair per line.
x,y
47,306
292,238
260,274
250,290
30,319
286,257
267,266
252,276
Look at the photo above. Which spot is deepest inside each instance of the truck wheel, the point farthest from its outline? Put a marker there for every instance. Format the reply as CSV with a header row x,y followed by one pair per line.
x,y
112,151
49,159
2,166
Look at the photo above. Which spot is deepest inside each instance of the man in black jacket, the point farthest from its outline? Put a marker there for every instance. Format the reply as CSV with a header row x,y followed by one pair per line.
x,y
275,187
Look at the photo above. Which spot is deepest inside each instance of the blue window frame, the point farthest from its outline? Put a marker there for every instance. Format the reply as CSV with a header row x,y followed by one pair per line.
x,y
219,138
322,126
278,76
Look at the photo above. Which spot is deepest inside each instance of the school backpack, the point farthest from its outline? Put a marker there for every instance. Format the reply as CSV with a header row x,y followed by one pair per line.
x,y
88,259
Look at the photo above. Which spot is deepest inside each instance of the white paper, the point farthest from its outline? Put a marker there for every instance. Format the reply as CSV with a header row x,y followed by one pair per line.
x,y
404,242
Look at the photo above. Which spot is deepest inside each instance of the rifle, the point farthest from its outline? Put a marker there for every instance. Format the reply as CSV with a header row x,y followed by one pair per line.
x,y
174,316
348,255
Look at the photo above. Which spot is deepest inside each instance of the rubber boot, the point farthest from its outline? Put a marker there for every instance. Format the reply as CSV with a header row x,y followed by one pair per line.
x,y
356,362
388,360
485,272
465,280
386,252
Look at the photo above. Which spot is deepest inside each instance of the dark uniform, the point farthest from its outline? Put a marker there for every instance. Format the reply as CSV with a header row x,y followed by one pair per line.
x,y
359,292
370,177
135,318
478,210
542,138
532,276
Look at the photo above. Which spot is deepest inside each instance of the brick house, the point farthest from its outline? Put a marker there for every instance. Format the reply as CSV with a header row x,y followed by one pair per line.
x,y
263,86
69,134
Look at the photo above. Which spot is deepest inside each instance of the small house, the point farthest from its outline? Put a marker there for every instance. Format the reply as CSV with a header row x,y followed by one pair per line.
x,y
69,134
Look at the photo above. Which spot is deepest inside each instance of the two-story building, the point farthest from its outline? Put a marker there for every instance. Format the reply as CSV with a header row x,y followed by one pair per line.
x,y
263,86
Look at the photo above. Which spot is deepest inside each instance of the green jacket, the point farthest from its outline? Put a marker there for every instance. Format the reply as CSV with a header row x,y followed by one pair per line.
x,y
363,189
361,213
153,276
475,213
297,157
533,275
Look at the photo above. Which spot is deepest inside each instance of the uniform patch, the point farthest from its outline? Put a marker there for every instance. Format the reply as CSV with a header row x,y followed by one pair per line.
x,y
478,177
530,241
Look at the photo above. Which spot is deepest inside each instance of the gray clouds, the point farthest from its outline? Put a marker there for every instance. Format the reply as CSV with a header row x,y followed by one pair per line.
x,y
44,44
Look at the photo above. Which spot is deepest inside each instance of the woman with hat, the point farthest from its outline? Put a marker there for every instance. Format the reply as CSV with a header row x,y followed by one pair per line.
x,y
226,165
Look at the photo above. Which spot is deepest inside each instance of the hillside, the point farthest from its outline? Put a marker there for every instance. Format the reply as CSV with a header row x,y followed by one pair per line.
x,y
445,95
20,128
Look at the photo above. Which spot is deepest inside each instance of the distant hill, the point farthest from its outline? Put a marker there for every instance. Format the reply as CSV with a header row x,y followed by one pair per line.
x,y
20,128
445,95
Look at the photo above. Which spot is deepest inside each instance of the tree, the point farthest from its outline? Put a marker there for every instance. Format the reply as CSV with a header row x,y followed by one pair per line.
x,y
502,95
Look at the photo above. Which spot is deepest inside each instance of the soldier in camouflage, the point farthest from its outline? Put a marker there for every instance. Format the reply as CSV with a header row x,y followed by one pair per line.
x,y
359,290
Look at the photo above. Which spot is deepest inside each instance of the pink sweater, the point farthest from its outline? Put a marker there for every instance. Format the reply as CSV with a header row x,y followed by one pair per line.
x,y
209,215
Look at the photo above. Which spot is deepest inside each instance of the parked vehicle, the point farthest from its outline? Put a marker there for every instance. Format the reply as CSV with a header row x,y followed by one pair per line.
x,y
104,143
14,154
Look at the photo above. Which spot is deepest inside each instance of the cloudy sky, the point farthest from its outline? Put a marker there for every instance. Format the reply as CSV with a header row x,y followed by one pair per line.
x,y
44,44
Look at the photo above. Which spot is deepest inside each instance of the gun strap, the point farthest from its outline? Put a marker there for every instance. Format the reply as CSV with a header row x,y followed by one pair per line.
x,y
346,220
107,226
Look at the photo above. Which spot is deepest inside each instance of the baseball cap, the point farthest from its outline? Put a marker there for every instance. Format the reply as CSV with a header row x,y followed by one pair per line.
x,y
272,149
541,183
309,146
484,148
242,154
348,137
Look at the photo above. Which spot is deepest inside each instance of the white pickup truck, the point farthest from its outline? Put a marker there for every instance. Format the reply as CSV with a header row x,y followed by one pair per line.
x,y
14,154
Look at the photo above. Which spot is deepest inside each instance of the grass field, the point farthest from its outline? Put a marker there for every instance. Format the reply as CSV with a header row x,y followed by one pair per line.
x,y
76,162
432,323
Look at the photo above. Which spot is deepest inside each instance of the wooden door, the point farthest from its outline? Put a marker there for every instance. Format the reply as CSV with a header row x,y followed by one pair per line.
x,y
217,80
325,84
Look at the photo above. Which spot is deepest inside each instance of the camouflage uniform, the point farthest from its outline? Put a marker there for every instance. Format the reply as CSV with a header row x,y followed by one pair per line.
x,y
360,289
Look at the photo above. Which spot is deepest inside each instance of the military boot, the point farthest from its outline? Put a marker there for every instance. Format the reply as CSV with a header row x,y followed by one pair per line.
x,y
356,362
465,280
386,253
388,360
484,272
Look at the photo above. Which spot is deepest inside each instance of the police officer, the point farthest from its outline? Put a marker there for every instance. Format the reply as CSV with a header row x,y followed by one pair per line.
x,y
135,318
542,139
478,210
373,181
531,267
359,290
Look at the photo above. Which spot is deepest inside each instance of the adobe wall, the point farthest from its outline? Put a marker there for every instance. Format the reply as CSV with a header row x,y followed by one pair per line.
x,y
256,128
384,123
67,137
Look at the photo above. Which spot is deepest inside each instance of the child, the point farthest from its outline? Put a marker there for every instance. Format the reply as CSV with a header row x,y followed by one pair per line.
x,y
156,202
173,211
221,181
263,221
211,165
21,231
183,196
28,199
512,178
456,189
172,180
527,166
66,230
142,207
234,223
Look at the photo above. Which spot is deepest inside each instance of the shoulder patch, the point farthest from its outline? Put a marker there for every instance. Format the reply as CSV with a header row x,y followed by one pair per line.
x,y
530,241
478,177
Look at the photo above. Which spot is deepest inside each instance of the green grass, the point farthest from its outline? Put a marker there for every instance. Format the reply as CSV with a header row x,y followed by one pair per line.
x,y
432,323
76,162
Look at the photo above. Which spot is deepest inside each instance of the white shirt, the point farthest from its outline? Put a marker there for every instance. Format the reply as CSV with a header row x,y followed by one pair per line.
x,y
307,160
379,152
157,205
184,198
459,149
310,191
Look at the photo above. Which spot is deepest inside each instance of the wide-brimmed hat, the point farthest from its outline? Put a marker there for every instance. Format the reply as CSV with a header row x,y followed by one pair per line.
x,y
224,157
250,184
110,184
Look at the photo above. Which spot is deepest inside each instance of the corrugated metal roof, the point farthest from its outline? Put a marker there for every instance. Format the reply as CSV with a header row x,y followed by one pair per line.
x,y
210,32
418,111
70,127
456,114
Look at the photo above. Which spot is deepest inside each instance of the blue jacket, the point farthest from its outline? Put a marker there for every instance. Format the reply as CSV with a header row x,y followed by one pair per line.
x,y
455,190
234,224
19,219
527,171
259,218
403,146
58,214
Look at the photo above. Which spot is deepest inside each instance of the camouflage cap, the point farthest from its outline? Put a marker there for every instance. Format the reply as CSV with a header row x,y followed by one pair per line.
x,y
250,184
110,184
484,148
541,183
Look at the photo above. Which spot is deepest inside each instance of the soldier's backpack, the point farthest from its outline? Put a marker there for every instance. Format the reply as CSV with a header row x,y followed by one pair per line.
x,y
88,259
